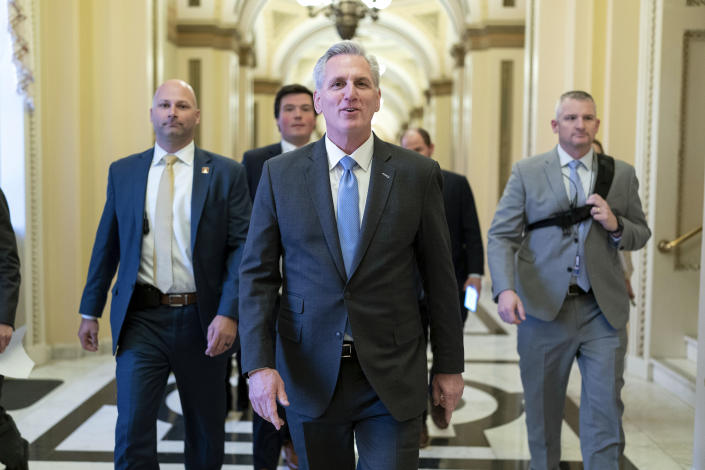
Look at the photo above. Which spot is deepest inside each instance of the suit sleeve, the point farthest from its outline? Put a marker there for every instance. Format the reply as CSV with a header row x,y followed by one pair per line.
x,y
9,266
104,258
506,232
636,231
239,209
436,267
260,279
472,237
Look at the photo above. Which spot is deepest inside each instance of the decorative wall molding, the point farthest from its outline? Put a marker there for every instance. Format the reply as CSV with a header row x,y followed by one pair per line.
x,y
494,36
695,3
21,54
441,87
681,262
205,35
264,86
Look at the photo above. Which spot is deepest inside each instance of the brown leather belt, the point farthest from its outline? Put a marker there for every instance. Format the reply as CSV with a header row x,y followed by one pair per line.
x,y
575,289
178,300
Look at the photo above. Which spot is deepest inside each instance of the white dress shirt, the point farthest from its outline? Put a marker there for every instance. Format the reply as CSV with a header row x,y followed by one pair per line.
x,y
586,172
287,146
363,157
181,243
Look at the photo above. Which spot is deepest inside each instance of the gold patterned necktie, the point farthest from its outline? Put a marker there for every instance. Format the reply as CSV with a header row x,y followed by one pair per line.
x,y
163,227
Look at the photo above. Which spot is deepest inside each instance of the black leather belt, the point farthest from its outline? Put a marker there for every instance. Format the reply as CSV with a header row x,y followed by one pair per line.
x,y
575,289
348,351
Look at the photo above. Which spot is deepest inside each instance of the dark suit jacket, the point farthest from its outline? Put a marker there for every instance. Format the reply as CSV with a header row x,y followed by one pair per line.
x,y
403,226
9,266
254,160
220,210
463,225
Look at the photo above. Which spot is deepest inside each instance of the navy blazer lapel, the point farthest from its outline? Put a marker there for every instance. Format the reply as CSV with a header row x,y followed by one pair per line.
x,y
202,177
144,163
381,179
552,166
317,178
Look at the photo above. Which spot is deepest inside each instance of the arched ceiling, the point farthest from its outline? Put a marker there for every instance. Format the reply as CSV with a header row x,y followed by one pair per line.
x,y
411,39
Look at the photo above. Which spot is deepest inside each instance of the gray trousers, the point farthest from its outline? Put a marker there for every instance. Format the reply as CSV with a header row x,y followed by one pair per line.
x,y
546,353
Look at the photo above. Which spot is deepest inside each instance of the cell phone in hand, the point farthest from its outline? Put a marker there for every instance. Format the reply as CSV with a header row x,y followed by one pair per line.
x,y
471,299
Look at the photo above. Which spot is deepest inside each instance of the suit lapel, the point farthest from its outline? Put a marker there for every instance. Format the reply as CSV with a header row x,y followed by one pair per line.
x,y
381,179
318,183
202,177
552,166
140,181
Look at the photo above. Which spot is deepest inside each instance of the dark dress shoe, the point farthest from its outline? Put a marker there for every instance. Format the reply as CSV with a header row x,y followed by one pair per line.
x,y
424,439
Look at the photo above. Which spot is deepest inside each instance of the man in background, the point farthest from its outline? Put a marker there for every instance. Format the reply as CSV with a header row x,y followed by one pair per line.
x,y
174,224
14,450
296,120
465,241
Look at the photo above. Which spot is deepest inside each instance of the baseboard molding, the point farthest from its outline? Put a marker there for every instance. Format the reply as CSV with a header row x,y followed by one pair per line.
x,y
674,381
638,366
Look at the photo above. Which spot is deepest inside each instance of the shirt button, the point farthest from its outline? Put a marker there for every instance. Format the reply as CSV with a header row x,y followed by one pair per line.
x,y
338,334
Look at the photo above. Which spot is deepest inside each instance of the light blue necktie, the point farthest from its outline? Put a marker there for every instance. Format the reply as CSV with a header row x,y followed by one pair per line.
x,y
578,197
348,212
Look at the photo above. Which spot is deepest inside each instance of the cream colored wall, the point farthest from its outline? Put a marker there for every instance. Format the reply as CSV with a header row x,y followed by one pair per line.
x,y
267,132
442,132
95,88
478,158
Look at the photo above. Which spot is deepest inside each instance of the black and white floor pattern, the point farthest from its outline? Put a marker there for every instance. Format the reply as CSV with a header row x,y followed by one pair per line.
x,y
67,412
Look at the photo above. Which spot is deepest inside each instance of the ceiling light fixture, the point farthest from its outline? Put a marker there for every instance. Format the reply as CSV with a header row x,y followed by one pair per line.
x,y
345,13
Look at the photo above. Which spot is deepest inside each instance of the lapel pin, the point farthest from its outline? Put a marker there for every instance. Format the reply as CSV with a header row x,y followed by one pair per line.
x,y
205,170
385,175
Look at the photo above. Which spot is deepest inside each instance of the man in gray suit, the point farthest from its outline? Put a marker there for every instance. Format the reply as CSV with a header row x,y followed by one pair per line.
x,y
351,217
553,258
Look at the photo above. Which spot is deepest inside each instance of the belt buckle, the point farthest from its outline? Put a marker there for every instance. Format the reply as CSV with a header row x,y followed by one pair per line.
x,y
574,290
172,300
347,351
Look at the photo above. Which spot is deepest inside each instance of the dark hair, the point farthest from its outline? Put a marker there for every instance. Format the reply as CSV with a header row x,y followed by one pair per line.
x,y
599,145
425,136
293,89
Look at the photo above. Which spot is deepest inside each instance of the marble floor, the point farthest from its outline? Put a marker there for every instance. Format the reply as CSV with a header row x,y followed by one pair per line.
x,y
67,412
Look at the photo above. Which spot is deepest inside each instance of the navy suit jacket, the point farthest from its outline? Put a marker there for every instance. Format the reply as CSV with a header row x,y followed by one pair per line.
x,y
254,161
463,225
9,266
403,226
220,210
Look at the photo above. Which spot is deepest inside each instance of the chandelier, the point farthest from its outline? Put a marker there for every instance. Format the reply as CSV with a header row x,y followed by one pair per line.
x,y
345,13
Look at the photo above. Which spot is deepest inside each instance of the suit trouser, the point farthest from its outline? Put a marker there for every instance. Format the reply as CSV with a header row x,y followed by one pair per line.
x,y
546,352
13,448
155,342
355,414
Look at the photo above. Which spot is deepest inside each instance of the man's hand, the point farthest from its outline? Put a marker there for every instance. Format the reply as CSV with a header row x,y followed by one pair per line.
x,y
221,335
88,334
510,308
602,213
446,391
266,388
5,336
476,282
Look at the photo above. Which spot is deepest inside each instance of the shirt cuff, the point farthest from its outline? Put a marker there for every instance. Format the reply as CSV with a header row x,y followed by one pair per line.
x,y
474,276
89,317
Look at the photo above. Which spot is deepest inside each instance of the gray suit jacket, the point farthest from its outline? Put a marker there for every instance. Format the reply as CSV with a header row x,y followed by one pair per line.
x,y
536,264
403,226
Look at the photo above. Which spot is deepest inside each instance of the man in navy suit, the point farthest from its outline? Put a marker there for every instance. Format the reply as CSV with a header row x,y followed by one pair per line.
x,y
465,240
173,225
352,219
296,120
13,448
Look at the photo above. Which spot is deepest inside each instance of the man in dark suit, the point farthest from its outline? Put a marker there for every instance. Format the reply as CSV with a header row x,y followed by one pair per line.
x,y
350,217
13,448
296,120
560,280
174,224
465,240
